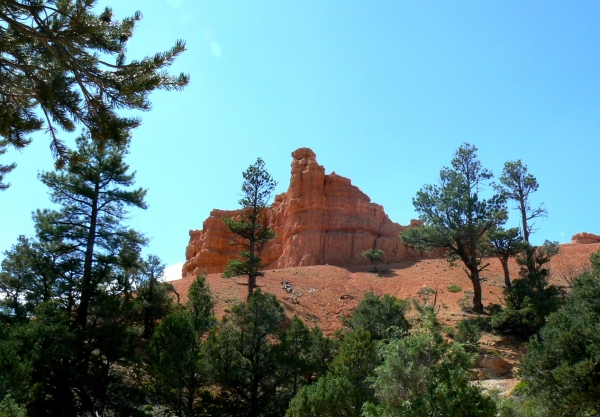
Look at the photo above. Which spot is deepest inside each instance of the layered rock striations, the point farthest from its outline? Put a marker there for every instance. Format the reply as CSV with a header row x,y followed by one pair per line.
x,y
321,219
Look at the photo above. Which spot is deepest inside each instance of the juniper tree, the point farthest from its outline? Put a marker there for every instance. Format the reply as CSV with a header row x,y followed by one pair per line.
x,y
249,226
456,219
62,63
423,375
373,255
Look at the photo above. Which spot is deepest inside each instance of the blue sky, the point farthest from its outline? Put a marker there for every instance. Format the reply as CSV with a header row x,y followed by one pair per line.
x,y
383,92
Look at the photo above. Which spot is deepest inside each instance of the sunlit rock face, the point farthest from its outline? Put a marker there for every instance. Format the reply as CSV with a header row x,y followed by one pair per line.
x,y
584,237
321,219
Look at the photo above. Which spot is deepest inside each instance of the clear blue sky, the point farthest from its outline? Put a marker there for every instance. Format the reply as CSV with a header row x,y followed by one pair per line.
x,y
383,92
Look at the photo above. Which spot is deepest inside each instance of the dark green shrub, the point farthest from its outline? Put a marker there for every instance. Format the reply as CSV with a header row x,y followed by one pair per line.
x,y
383,317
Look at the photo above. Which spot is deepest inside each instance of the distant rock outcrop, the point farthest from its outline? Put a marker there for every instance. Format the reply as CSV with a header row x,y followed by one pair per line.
x,y
585,238
321,219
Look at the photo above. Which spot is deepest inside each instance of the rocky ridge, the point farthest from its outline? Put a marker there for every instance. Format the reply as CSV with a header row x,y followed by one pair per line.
x,y
321,220
585,238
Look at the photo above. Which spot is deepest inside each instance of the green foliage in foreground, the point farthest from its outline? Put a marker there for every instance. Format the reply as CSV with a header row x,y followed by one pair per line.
x,y
383,317
422,375
56,64
344,390
561,369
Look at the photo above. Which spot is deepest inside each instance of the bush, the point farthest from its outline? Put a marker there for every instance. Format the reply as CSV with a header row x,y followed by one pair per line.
x,y
383,316
450,331
466,303
423,375
468,333
454,288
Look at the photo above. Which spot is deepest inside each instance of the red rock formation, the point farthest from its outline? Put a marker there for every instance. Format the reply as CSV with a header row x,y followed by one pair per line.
x,y
585,238
321,219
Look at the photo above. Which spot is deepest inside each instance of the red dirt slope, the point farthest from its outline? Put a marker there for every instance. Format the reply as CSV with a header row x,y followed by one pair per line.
x,y
327,292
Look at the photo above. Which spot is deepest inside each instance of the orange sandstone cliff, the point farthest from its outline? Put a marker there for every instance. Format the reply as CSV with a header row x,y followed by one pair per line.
x,y
321,219
585,238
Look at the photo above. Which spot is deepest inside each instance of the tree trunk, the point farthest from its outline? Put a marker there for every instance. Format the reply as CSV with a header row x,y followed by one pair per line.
x,y
524,219
86,284
251,260
504,262
477,304
251,285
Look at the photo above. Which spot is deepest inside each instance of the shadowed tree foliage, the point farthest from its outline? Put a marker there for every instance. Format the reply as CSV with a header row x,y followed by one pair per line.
x,y
153,296
345,388
201,305
455,218
244,354
77,278
177,368
561,370
249,228
61,63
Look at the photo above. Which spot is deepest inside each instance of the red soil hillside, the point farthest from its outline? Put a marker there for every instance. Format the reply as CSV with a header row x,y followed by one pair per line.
x,y
330,291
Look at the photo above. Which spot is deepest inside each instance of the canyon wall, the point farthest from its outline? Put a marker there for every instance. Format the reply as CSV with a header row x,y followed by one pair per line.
x,y
321,219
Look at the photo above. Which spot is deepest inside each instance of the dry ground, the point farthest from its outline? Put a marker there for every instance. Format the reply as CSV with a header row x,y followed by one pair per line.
x,y
326,292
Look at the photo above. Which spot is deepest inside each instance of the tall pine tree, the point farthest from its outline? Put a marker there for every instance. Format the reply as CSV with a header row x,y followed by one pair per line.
x,y
249,227
78,279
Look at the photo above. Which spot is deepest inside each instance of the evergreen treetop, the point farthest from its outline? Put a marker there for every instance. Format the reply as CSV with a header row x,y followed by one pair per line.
x,y
61,60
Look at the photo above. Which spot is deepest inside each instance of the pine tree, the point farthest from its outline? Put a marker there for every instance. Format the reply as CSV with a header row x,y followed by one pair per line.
x,y
244,353
249,228
94,193
78,280
152,296
176,364
560,370
63,61
345,388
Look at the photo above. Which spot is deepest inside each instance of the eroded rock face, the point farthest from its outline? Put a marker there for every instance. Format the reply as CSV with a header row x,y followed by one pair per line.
x,y
321,219
585,238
